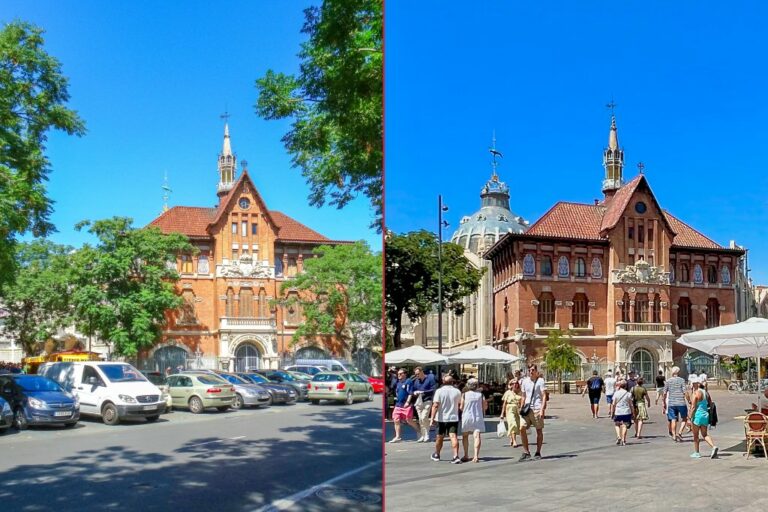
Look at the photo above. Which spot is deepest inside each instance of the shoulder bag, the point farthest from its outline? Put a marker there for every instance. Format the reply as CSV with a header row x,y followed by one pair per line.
x,y
525,410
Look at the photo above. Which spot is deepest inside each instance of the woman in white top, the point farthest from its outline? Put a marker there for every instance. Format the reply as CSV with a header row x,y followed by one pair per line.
x,y
473,406
622,412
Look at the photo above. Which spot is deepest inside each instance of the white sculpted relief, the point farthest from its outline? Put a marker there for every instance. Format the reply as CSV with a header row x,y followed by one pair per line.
x,y
245,267
641,272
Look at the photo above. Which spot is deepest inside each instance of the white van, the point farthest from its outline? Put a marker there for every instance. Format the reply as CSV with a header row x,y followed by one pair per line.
x,y
111,390
334,365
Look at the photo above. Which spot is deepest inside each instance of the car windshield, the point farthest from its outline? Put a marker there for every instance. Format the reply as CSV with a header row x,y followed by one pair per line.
x,y
155,378
122,373
326,377
210,379
285,376
234,379
37,383
255,377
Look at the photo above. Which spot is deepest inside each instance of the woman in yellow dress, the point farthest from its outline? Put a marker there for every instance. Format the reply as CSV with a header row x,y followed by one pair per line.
x,y
511,402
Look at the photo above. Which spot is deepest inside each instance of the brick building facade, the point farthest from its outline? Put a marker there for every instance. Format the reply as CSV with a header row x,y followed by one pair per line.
x,y
623,276
245,252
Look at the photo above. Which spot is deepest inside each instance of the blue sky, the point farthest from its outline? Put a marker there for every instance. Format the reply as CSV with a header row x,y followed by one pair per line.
x,y
151,79
688,79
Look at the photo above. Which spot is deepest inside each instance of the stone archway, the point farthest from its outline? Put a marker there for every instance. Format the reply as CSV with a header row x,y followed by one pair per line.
x,y
169,355
646,357
265,345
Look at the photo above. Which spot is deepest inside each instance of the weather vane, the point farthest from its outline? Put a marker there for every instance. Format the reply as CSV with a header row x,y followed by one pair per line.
x,y
495,153
640,167
166,192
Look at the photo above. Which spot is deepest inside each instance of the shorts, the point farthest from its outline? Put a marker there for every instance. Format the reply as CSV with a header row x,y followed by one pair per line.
x,y
402,413
673,411
594,399
626,419
609,399
532,420
447,427
701,418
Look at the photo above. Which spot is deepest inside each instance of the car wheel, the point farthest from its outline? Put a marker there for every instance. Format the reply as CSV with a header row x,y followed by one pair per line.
x,y
350,399
237,401
153,418
109,415
195,405
20,420
222,408
315,402
370,395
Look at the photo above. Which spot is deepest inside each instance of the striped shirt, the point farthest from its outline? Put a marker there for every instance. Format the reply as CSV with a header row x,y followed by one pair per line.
x,y
675,386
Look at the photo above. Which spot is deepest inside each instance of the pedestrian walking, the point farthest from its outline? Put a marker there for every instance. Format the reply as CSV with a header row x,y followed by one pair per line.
x,y
610,388
631,380
660,379
511,402
472,406
677,397
700,421
621,412
445,412
534,390
595,387
692,378
424,387
641,401
403,402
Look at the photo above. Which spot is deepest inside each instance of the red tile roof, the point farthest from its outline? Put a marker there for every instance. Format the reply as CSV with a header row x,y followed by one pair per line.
x,y
689,237
188,220
291,230
619,203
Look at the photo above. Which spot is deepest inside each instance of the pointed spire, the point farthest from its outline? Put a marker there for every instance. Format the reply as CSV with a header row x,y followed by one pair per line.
x,y
613,159
227,163
227,147
613,136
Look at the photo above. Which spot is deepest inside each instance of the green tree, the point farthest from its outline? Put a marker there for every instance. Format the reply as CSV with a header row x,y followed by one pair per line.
x,y
561,357
124,285
339,294
38,300
335,103
736,365
411,274
33,94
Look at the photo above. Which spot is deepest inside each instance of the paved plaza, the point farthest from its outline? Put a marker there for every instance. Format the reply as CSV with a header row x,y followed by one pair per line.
x,y
583,469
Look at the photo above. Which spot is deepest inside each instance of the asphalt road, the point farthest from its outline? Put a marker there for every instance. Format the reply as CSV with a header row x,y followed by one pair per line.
x,y
298,457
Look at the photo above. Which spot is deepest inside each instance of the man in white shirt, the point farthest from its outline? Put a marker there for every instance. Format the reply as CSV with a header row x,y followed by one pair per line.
x,y
534,390
692,377
445,410
703,378
610,388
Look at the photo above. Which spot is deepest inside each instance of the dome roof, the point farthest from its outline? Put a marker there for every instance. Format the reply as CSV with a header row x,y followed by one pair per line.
x,y
479,231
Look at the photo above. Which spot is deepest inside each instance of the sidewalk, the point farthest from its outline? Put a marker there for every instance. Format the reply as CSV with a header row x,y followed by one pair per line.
x,y
583,469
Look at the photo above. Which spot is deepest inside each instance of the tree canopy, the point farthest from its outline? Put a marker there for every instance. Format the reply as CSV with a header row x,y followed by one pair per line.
x,y
411,273
123,287
33,97
561,356
335,102
339,294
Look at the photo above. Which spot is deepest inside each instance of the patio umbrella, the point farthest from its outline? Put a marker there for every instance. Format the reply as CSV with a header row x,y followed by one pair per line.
x,y
484,354
415,354
746,339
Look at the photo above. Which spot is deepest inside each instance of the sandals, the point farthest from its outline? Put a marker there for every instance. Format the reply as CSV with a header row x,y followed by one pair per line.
x,y
465,459
475,460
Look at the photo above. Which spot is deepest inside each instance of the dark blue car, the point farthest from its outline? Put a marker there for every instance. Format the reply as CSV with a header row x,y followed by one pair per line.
x,y
6,415
38,400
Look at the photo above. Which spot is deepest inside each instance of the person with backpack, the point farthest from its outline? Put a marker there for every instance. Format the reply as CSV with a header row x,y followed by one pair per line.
x,y
701,421
595,387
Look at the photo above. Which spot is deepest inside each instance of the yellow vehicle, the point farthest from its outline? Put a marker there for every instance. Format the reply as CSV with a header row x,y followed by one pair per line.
x,y
31,364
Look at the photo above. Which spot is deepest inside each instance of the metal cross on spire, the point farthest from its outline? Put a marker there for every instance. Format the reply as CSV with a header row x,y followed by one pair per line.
x,y
166,192
612,107
225,116
495,153
641,167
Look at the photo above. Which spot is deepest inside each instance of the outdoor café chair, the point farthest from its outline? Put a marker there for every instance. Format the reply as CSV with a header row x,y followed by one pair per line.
x,y
756,429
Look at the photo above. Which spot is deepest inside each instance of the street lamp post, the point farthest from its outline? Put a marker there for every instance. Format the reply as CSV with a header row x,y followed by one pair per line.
x,y
440,225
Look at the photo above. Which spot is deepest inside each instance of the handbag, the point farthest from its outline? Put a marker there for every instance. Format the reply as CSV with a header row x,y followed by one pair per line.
x,y
525,410
501,428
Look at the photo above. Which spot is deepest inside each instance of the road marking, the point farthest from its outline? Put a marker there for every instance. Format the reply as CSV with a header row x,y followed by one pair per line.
x,y
293,499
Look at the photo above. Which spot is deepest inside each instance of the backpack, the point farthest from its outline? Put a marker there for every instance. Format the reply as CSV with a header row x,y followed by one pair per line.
x,y
595,384
712,409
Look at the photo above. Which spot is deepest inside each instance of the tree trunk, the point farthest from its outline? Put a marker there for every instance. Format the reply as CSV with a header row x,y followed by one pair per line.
x,y
398,329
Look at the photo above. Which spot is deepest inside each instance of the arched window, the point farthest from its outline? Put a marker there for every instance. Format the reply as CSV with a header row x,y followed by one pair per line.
x,y
713,313
506,314
229,309
246,302
546,266
247,358
202,264
672,273
625,308
563,268
474,243
698,274
685,275
712,274
529,265
597,268
725,275
545,315
641,308
580,312
263,305
684,313
581,268
656,316
278,266
293,269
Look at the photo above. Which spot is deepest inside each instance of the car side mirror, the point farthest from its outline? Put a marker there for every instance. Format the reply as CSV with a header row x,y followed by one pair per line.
x,y
7,390
93,381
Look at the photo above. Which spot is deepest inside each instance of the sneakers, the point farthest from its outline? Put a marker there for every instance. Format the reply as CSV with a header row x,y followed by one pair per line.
x,y
524,457
695,455
420,440
396,440
713,455
456,460
537,456
435,457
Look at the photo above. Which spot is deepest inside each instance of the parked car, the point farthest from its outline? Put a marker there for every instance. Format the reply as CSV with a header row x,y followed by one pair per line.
x,y
340,386
6,415
279,393
311,370
333,365
38,400
377,383
285,378
159,380
300,375
199,391
246,392
113,391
